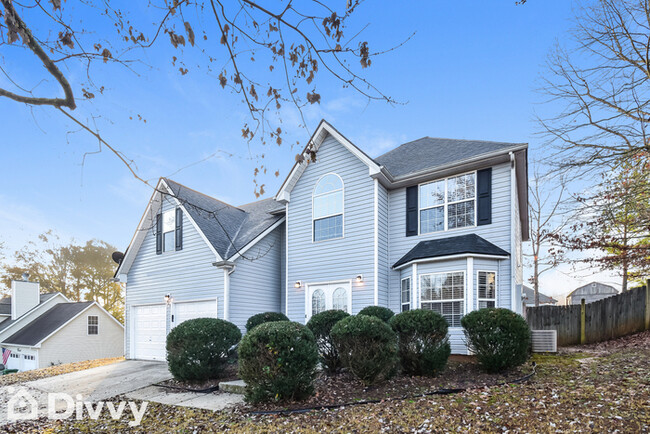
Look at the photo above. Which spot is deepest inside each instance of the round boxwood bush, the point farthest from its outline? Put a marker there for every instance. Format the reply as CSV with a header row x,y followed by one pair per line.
x,y
422,341
263,317
278,360
321,326
500,338
367,347
383,313
198,349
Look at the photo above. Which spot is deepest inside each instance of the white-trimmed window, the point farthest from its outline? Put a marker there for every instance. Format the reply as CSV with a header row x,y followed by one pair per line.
x,y
93,324
487,289
168,230
448,203
444,293
327,212
406,294
340,299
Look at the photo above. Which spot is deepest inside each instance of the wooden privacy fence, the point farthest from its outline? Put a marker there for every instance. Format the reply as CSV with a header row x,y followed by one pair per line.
x,y
609,318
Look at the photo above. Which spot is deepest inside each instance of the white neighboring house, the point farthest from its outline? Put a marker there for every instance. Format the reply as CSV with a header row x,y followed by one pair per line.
x,y
41,330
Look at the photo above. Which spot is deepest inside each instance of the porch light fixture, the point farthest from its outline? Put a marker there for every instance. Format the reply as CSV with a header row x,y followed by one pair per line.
x,y
168,298
298,284
359,278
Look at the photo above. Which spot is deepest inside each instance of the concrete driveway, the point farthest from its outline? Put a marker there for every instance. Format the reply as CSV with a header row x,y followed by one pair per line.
x,y
104,382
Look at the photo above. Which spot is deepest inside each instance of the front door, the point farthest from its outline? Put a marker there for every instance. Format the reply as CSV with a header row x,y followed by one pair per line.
x,y
321,297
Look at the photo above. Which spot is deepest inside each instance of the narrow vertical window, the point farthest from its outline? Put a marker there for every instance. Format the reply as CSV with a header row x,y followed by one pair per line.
x,y
487,289
406,294
168,230
93,324
327,209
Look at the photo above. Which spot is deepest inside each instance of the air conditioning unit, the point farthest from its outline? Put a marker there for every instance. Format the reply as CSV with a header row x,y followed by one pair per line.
x,y
544,341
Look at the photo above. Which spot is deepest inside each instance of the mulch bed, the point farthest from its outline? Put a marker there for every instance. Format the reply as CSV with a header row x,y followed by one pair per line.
x,y
344,388
229,374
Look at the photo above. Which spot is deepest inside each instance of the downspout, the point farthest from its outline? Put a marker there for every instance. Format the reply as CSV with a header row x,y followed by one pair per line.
x,y
376,240
513,260
228,268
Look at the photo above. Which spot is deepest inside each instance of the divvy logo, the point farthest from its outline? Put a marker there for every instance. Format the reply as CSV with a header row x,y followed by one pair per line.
x,y
23,406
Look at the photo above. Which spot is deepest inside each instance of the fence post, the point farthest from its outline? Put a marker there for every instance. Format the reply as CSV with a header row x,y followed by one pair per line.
x,y
583,320
647,304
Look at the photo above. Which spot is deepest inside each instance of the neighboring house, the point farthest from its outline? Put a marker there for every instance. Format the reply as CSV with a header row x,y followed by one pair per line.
x,y
47,329
529,298
591,292
434,224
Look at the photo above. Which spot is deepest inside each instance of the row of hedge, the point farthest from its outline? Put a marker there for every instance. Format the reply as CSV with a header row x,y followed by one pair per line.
x,y
278,359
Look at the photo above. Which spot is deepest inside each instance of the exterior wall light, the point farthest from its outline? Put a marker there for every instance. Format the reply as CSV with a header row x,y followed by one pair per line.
x,y
359,278
168,299
298,284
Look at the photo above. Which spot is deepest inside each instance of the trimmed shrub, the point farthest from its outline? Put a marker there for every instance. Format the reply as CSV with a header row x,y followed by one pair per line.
x,y
383,313
278,360
422,341
198,349
500,338
367,347
263,317
321,326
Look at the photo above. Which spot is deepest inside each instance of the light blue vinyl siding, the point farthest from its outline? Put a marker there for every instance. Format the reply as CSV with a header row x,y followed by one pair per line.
x,y
187,274
339,259
384,265
255,285
498,233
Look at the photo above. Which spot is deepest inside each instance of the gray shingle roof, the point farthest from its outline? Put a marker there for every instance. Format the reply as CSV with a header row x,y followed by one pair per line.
x,y
44,325
5,303
428,153
227,228
529,297
459,245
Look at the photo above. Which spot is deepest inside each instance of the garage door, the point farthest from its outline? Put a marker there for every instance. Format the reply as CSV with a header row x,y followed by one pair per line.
x,y
149,333
194,309
21,361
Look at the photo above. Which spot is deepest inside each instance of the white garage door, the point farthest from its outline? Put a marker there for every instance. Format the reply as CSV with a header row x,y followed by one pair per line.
x,y
149,332
194,309
21,361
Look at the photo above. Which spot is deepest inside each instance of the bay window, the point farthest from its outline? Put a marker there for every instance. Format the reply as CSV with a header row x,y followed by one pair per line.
x,y
406,294
444,293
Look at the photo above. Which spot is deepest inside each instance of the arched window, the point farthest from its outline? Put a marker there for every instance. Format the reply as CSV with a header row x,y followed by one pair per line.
x,y
340,299
328,208
317,302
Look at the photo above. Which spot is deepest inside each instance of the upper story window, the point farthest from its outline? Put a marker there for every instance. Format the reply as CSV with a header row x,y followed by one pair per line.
x,y
93,324
168,229
328,208
448,203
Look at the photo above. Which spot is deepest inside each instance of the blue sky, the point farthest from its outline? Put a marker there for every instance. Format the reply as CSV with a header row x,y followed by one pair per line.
x,y
470,71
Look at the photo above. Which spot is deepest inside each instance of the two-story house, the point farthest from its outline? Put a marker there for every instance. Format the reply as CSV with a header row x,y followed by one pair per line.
x,y
433,224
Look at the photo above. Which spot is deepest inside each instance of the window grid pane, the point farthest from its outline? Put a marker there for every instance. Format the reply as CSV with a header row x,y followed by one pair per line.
x,y
460,215
444,293
432,194
93,325
432,220
486,289
317,302
340,299
328,228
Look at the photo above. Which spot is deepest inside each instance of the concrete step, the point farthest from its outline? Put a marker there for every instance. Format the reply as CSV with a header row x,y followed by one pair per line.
x,y
237,386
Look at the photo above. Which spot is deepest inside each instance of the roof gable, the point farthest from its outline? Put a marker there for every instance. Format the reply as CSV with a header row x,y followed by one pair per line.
x,y
47,323
226,229
323,130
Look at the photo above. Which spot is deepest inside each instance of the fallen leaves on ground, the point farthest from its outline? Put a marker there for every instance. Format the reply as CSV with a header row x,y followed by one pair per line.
x,y
610,393
51,371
